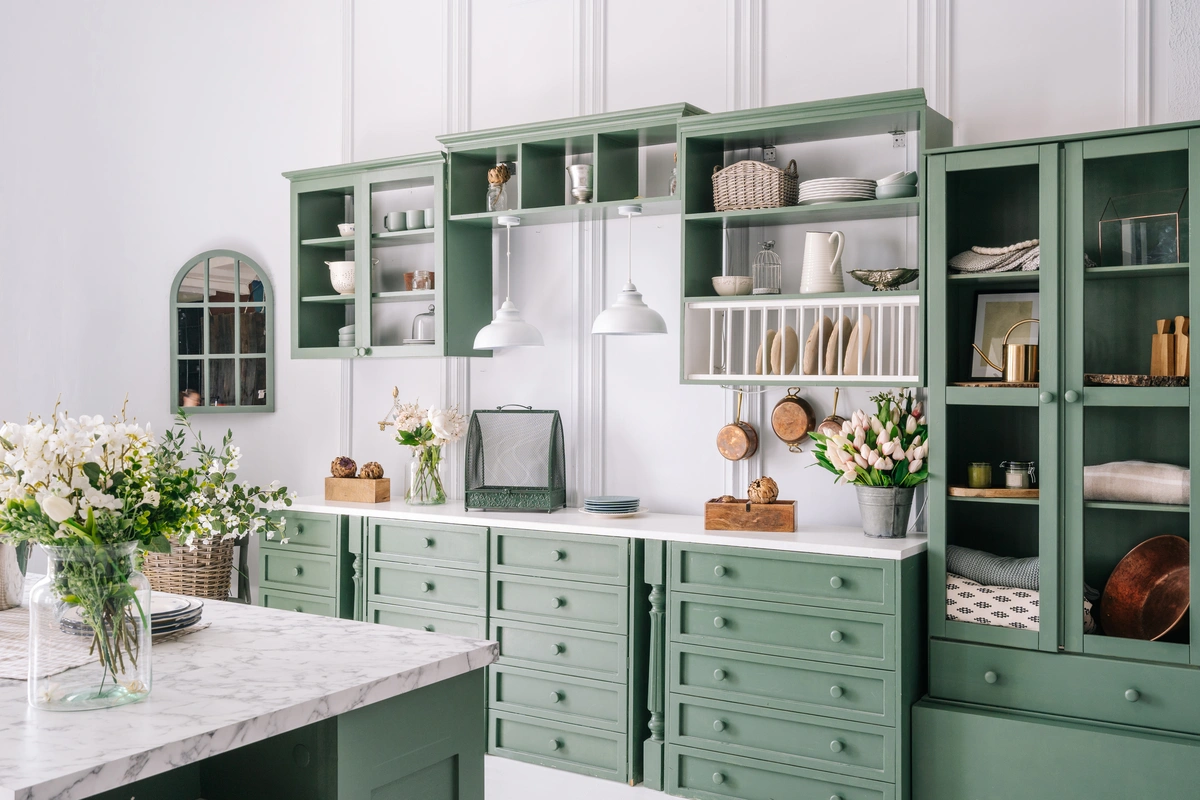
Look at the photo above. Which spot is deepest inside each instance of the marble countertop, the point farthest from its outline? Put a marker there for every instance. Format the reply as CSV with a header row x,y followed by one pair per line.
x,y
254,673
821,539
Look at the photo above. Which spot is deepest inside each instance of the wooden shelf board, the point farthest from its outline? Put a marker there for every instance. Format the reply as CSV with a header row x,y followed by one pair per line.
x,y
331,242
651,206
1136,271
822,212
1137,396
328,298
400,297
994,495
993,396
1120,506
395,238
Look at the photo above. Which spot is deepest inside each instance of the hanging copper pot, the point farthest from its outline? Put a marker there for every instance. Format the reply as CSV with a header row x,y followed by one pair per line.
x,y
738,440
792,419
832,424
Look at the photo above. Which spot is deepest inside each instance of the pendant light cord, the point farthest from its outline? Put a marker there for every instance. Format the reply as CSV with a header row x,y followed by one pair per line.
x,y
508,263
630,243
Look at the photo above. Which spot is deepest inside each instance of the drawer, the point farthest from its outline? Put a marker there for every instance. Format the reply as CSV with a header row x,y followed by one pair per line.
x,y
844,637
459,546
853,693
579,605
307,532
858,584
299,571
784,737
600,559
596,704
295,601
712,776
562,650
428,587
1125,692
557,744
423,619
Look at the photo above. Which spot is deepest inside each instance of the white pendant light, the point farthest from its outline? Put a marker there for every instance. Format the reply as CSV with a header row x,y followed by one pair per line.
x,y
508,329
628,315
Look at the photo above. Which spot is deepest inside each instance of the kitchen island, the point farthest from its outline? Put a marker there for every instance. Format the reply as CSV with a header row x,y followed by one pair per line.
x,y
268,704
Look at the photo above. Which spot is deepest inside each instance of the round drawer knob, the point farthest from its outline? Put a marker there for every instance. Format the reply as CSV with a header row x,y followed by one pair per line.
x,y
719,571
299,530
835,582
1133,695
362,351
835,797
835,636
718,674
1046,397
427,542
555,744
835,691
1071,396
836,745
298,609
718,777
556,697
429,628
557,555
426,586
301,756
557,649
718,725
297,571
719,622
990,677
558,602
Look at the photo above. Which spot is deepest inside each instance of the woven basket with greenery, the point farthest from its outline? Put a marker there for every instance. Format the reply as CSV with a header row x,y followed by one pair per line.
x,y
200,572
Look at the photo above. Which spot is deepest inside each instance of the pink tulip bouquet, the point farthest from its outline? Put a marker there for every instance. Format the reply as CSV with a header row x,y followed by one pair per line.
x,y
887,448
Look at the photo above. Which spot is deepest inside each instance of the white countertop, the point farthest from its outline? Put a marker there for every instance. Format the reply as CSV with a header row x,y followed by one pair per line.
x,y
254,673
823,540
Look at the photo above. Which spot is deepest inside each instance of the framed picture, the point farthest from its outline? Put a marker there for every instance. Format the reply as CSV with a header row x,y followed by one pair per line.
x,y
994,315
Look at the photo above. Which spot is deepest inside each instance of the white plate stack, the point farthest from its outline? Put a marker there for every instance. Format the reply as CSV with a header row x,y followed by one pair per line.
x,y
611,506
346,336
836,190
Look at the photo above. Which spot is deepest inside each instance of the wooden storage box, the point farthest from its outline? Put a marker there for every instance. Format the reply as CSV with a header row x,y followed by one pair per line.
x,y
742,515
358,490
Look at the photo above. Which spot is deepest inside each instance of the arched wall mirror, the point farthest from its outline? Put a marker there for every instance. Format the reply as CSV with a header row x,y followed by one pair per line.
x,y
222,335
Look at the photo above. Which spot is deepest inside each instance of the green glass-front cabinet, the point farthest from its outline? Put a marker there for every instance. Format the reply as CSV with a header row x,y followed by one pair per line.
x,y
1063,710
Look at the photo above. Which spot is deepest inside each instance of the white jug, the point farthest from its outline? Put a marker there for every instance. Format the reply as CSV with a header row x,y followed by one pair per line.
x,y
822,270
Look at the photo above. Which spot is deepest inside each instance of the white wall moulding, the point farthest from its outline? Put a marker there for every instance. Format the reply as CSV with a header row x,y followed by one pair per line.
x,y
1137,62
744,54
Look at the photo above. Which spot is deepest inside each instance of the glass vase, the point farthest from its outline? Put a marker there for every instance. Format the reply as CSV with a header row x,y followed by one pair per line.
x,y
425,486
497,197
89,629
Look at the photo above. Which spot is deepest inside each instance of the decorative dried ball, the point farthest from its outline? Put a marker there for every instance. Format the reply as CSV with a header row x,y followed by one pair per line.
x,y
726,498
763,490
343,467
371,470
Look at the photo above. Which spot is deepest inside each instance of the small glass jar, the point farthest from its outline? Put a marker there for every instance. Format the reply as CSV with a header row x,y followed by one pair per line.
x,y
767,270
1019,474
979,475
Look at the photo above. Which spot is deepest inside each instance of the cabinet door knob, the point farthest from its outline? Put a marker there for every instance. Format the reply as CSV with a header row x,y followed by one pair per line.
x,y
718,674
299,529
556,697
558,602
427,542
835,582
1133,695
836,745
1046,398
835,797
557,649
1071,396
718,777
555,744
298,609
362,351
835,691
718,570
426,586
718,725
429,628
835,636
719,622
557,555
990,677
297,571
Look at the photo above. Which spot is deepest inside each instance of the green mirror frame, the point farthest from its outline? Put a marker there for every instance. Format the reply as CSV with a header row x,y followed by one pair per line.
x,y
210,308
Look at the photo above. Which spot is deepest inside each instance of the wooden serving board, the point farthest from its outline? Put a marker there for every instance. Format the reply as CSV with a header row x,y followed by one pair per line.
x,y
965,491
994,385
358,490
742,515
1111,379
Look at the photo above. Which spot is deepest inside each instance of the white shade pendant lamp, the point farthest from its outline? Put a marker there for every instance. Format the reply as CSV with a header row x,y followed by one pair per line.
x,y
628,315
508,329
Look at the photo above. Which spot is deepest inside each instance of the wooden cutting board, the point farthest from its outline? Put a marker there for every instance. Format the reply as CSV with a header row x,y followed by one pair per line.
x,y
965,491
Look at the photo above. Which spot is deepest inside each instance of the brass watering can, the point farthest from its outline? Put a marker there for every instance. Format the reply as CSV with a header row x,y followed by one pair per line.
x,y
1020,360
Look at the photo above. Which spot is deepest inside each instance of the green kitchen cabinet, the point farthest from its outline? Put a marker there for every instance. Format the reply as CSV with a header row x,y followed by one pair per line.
x,y
317,571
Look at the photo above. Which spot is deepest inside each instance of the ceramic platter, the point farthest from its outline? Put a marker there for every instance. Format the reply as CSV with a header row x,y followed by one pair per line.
x,y
609,514
833,198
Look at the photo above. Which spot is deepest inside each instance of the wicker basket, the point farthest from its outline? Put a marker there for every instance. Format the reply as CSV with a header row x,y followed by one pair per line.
x,y
203,572
753,184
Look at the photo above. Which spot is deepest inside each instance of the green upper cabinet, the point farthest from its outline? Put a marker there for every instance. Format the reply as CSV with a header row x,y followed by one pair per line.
x,y
731,339
358,293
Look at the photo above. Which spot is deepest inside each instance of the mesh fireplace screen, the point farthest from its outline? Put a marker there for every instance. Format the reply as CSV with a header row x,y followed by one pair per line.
x,y
516,460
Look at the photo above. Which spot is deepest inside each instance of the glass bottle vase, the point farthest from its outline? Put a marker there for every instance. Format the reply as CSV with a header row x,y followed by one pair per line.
x,y
425,487
89,631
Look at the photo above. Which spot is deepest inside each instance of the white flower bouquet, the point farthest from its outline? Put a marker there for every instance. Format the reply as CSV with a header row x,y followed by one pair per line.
x,y
426,431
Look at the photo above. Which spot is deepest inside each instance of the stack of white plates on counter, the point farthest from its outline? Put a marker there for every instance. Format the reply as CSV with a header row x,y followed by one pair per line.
x,y
836,190
346,336
168,613
611,506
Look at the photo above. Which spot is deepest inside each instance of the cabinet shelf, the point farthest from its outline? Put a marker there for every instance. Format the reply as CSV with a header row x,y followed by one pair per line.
x,y
1136,649
1119,506
1136,271
395,238
1137,396
997,278
330,242
1019,501
401,297
575,212
329,298
770,299
990,396
800,215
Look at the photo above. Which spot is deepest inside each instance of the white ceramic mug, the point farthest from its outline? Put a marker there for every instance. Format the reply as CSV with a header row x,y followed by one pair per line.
x,y
414,218
822,271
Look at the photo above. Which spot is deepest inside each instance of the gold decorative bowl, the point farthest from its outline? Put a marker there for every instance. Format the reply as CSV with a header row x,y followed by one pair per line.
x,y
884,280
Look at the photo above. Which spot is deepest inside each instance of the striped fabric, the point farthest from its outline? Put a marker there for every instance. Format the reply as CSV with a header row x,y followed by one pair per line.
x,y
990,570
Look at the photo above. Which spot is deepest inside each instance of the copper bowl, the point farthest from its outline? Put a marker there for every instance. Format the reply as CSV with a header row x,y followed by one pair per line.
x,y
1146,596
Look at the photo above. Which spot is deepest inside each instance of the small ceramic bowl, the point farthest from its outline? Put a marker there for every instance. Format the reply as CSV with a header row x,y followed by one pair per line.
x,y
341,275
729,285
346,228
892,191
898,178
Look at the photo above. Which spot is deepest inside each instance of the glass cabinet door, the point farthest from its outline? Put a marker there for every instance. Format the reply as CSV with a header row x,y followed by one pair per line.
x,y
993,265
323,268
1126,309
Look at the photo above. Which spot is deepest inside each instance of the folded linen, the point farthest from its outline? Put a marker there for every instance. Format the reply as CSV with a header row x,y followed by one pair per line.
x,y
1002,606
992,570
1138,482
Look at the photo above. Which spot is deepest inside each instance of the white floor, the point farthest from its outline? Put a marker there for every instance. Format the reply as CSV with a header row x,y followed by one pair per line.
x,y
513,780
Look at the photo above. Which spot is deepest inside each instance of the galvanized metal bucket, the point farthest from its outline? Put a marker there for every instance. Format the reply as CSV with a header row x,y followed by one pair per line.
x,y
885,510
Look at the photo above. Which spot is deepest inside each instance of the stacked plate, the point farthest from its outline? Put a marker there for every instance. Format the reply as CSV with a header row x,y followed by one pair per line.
x,y
346,336
168,613
836,190
611,506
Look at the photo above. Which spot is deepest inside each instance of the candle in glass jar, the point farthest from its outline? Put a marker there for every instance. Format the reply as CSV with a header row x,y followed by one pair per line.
x,y
979,475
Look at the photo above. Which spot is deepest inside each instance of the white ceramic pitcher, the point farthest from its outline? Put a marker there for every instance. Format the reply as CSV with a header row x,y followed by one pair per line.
x,y
822,270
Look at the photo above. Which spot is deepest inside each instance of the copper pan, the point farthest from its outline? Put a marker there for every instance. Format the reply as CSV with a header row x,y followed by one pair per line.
x,y
1146,596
